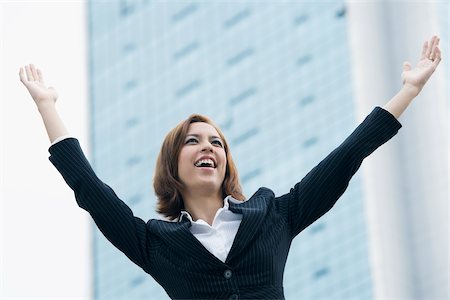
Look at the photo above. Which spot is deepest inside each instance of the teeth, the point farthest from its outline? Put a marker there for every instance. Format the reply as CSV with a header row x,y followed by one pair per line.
x,y
207,161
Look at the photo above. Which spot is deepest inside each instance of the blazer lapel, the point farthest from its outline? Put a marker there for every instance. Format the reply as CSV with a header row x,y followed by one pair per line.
x,y
253,211
180,237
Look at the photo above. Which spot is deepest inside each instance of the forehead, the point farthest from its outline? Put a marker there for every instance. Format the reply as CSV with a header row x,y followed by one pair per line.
x,y
202,128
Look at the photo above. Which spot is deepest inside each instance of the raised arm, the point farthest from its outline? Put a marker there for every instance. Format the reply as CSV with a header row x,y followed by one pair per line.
x,y
414,79
45,99
319,190
111,215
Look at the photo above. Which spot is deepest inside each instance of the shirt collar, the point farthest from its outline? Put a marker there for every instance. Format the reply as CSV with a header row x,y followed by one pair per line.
x,y
189,217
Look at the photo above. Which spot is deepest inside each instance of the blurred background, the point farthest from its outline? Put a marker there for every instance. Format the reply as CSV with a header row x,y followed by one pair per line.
x,y
287,82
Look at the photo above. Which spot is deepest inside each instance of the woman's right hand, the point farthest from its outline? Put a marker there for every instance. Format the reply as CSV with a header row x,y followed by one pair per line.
x,y
34,82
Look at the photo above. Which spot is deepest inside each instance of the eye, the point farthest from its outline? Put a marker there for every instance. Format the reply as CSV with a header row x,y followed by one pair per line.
x,y
191,139
218,142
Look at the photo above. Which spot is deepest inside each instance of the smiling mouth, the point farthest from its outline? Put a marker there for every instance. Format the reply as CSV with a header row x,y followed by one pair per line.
x,y
205,168
205,163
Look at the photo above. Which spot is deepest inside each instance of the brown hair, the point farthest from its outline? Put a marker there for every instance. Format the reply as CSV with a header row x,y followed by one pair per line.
x,y
166,182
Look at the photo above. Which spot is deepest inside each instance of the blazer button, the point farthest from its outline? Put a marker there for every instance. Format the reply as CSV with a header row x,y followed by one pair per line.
x,y
234,297
227,274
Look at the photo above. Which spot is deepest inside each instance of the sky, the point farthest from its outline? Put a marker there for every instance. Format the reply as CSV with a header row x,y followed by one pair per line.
x,y
44,235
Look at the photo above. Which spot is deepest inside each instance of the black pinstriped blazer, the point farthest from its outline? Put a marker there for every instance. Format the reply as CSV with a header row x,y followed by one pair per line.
x,y
255,264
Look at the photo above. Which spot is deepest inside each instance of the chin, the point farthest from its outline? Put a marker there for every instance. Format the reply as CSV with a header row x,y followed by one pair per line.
x,y
205,184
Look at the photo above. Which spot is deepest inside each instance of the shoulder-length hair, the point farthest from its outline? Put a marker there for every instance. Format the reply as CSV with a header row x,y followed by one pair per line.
x,y
167,184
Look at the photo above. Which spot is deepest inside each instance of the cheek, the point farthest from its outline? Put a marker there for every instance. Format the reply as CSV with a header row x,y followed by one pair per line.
x,y
224,164
183,162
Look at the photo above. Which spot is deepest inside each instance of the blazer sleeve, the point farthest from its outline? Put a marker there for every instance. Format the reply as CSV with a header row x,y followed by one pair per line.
x,y
112,216
319,190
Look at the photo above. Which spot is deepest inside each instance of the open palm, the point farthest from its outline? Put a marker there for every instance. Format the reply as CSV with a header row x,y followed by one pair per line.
x,y
34,82
417,77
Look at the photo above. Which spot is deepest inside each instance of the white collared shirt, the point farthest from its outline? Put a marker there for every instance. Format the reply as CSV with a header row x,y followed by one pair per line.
x,y
219,237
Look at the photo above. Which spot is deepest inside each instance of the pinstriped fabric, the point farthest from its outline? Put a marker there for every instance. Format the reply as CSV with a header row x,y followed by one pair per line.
x,y
319,190
127,233
255,264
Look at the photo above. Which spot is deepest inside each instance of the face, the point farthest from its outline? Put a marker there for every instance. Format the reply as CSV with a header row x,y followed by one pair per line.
x,y
202,143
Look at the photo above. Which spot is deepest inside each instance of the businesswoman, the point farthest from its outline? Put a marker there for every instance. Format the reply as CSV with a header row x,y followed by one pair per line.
x,y
216,244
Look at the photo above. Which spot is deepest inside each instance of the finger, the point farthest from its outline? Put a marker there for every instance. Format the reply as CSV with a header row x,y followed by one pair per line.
x,y
433,50
40,76
430,46
29,74
21,75
424,50
33,70
437,59
406,66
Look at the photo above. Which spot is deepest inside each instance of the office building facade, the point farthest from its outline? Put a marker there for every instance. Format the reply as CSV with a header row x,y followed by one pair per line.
x,y
277,77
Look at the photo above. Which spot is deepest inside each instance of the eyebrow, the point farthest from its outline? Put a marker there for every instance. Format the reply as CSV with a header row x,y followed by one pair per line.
x,y
197,135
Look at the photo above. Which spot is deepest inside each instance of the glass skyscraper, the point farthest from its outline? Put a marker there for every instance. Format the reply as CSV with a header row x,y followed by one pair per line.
x,y
275,77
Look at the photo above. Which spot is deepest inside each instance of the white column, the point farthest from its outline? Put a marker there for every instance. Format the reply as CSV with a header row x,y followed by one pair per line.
x,y
405,180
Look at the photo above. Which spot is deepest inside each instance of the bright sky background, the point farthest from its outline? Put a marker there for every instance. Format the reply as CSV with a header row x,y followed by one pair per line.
x,y
44,235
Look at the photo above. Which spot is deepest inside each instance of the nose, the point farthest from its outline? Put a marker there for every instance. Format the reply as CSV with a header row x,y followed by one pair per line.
x,y
207,146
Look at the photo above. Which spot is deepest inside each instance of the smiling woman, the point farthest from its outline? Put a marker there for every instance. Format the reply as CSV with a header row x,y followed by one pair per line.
x,y
179,184
217,244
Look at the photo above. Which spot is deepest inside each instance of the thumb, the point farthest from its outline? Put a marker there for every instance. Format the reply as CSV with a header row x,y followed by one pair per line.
x,y
406,66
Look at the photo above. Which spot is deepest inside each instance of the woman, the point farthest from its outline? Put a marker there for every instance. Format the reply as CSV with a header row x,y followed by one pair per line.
x,y
216,245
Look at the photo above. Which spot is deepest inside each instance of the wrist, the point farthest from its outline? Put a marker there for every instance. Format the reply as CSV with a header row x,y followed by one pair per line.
x,y
45,107
411,90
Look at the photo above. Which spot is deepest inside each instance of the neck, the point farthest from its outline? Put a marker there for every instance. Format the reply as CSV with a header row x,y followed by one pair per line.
x,y
202,206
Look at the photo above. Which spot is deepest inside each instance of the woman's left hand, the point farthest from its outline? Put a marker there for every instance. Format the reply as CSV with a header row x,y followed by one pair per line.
x,y
415,78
